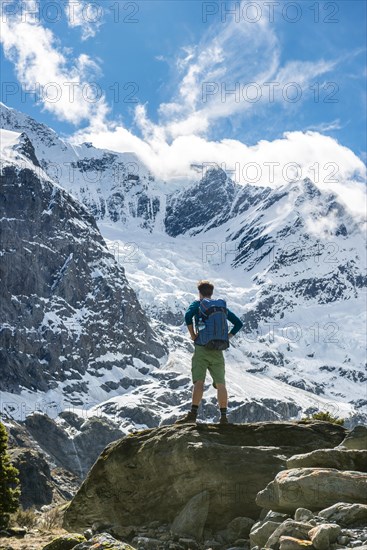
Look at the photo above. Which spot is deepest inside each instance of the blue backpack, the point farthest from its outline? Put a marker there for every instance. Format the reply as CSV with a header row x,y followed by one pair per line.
x,y
212,324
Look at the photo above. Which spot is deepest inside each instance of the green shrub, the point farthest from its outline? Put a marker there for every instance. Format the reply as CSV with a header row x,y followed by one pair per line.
x,y
25,518
51,519
9,482
326,417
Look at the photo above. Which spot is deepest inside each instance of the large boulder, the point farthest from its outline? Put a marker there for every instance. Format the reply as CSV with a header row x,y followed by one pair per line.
x,y
313,488
323,535
331,458
153,474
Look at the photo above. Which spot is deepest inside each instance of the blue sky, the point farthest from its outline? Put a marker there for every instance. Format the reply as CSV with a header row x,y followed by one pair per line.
x,y
168,53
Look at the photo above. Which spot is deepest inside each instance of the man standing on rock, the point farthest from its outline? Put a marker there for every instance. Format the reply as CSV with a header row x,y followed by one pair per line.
x,y
210,337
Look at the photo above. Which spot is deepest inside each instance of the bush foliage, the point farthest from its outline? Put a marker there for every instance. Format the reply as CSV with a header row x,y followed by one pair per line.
x,y
9,482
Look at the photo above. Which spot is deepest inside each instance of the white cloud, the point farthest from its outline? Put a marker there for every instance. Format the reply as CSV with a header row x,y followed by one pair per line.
x,y
66,89
329,164
87,15
229,54
326,126
243,58
228,57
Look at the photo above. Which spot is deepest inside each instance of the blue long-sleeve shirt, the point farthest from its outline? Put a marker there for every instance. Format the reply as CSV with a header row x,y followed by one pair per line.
x,y
193,311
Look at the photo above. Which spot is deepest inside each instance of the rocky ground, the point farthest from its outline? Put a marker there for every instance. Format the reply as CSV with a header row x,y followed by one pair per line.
x,y
221,488
33,540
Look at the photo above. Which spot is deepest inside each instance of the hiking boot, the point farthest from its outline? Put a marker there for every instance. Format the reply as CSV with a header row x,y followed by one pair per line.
x,y
190,418
223,420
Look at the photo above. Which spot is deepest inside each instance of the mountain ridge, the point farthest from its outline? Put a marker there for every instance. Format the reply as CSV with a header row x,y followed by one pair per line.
x,y
275,253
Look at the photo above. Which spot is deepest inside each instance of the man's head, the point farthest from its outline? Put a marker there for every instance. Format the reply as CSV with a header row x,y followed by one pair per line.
x,y
205,289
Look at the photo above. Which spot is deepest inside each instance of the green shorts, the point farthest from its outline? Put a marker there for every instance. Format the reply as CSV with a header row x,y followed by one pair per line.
x,y
211,359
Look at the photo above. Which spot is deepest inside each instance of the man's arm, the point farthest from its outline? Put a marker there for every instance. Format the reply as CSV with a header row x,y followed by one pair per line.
x,y
192,310
236,322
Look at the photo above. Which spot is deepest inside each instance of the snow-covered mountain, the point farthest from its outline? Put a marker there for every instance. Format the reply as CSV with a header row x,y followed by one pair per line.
x,y
114,186
70,319
290,261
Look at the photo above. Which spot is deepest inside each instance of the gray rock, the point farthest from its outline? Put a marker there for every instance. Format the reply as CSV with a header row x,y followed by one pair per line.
x,y
191,520
356,438
312,488
88,534
276,516
261,532
346,514
65,542
324,535
189,543
242,543
212,544
18,532
232,465
292,543
101,542
239,528
341,459
296,529
302,514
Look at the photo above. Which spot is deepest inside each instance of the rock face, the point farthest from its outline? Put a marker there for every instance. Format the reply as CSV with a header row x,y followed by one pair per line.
x,y
67,307
313,488
34,477
166,467
41,481
209,203
76,451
